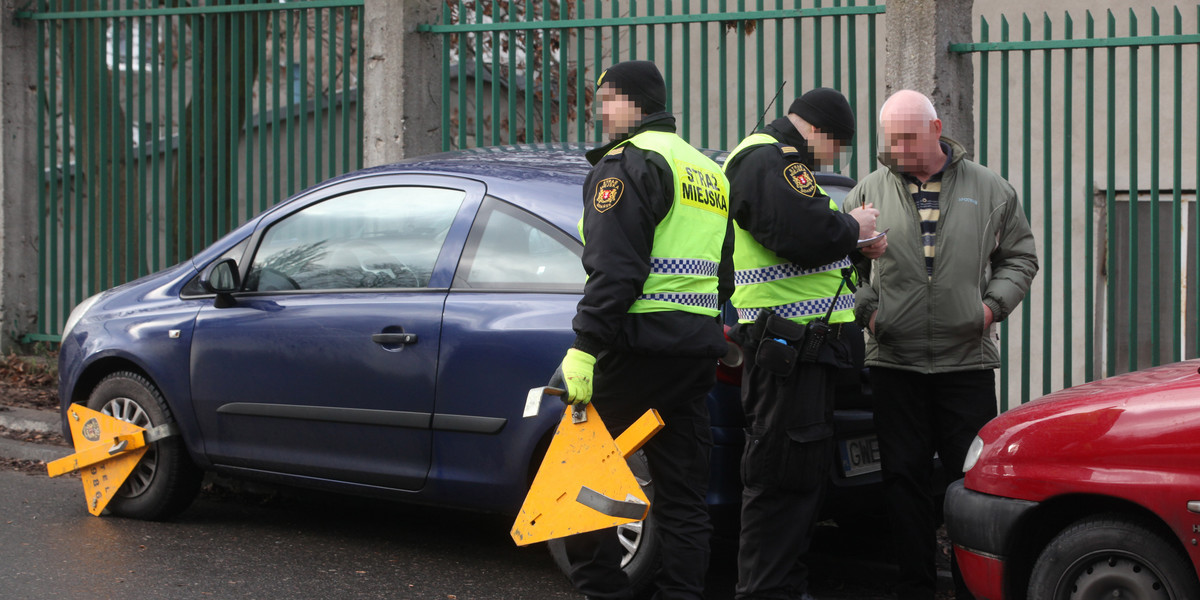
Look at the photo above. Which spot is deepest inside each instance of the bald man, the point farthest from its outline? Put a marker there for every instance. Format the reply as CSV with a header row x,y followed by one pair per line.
x,y
960,258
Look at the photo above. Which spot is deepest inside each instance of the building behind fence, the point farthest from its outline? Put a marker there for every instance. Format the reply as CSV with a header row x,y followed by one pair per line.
x,y
163,125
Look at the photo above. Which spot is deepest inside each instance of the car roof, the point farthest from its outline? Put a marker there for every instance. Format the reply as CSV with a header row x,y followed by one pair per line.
x,y
541,178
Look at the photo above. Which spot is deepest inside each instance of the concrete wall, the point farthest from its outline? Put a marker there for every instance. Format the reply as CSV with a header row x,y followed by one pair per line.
x,y
18,177
403,81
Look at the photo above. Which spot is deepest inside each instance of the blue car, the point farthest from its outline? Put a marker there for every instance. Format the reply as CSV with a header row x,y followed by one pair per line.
x,y
376,335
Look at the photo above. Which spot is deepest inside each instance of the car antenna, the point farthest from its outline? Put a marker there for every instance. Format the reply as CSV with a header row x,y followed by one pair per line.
x,y
769,104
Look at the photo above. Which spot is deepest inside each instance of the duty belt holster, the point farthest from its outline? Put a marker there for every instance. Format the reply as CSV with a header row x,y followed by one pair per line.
x,y
778,341
782,343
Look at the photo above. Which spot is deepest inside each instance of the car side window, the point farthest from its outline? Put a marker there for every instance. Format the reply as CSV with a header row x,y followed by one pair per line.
x,y
511,249
377,238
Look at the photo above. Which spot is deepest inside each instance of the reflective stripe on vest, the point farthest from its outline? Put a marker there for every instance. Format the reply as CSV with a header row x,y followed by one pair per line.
x,y
765,280
687,242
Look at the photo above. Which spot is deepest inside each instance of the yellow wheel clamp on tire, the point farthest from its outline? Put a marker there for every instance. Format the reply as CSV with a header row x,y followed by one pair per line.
x,y
106,451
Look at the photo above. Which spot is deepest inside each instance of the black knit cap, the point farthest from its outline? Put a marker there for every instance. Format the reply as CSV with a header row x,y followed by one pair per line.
x,y
828,110
641,81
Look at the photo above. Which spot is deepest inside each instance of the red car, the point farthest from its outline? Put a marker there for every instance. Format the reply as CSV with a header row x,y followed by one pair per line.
x,y
1087,493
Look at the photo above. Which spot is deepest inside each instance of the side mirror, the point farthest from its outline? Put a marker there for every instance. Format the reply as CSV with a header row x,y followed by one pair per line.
x,y
223,280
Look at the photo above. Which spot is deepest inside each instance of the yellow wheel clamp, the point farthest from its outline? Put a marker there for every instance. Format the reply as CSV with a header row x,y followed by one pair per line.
x,y
584,483
107,450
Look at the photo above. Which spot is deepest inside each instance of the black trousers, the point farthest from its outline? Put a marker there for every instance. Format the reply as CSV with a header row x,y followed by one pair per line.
x,y
785,466
626,386
917,415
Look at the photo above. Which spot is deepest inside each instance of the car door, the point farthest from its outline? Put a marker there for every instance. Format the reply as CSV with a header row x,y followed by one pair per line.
x,y
507,324
326,365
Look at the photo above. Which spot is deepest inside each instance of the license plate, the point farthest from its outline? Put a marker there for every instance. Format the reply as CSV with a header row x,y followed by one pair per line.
x,y
859,455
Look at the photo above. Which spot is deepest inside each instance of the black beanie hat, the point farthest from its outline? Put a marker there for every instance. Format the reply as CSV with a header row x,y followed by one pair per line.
x,y
641,81
827,110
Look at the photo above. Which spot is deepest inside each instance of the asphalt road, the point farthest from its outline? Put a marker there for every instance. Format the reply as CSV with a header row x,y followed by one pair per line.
x,y
298,544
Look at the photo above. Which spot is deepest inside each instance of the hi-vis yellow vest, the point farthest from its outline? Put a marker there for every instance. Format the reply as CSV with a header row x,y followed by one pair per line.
x,y
764,280
687,242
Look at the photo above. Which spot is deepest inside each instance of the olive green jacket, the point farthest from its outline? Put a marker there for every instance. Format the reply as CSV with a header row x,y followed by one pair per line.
x,y
984,254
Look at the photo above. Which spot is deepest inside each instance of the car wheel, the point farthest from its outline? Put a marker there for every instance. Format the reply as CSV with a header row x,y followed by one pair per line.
x,y
165,481
1112,557
642,554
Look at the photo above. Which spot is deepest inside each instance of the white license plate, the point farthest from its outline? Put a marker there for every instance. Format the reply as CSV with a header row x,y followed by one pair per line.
x,y
859,455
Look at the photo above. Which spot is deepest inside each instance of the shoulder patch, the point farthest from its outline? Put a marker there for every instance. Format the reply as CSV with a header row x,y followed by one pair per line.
x,y
800,178
786,150
616,151
608,193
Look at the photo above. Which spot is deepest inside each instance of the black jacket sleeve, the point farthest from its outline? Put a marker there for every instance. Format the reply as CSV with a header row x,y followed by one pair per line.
x,y
798,227
625,196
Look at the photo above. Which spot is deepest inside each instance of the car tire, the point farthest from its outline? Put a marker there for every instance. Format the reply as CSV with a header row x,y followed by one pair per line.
x,y
165,480
643,553
1111,556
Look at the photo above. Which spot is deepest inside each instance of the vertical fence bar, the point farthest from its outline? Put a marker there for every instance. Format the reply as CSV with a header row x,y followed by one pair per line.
x,y
740,76
1047,271
723,89
1068,220
1004,137
1134,198
318,104
1089,176
686,110
495,75
852,85
512,77
304,105
781,99
530,122
872,162
704,140
1177,266
1111,206
263,68
359,100
1026,187
564,50
45,202
446,135
546,71
477,50
222,133
816,47
1155,280
837,47
332,94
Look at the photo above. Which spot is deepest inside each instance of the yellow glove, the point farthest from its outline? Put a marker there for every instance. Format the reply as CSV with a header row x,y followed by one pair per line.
x,y
577,367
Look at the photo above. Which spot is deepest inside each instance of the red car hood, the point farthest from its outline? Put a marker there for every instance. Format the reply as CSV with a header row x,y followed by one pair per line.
x,y
1126,436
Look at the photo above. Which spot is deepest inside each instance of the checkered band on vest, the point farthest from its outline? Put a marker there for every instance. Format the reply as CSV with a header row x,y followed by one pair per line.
x,y
818,306
784,271
683,266
699,300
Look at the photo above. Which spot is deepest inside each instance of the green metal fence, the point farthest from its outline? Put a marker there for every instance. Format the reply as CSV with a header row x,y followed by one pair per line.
x,y
1096,126
517,72
164,124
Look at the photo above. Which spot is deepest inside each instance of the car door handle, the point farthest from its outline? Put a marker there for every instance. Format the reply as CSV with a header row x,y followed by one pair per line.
x,y
394,338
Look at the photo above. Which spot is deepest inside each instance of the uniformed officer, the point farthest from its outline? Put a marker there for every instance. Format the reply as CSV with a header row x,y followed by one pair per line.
x,y
794,292
658,255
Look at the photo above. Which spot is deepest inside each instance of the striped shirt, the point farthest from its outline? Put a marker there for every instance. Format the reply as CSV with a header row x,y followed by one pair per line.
x,y
925,196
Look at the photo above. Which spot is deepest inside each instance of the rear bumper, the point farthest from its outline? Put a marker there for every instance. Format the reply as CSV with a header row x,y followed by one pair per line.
x,y
982,527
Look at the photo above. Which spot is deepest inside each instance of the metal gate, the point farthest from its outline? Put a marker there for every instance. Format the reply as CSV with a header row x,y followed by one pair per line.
x,y
523,72
164,124
1096,125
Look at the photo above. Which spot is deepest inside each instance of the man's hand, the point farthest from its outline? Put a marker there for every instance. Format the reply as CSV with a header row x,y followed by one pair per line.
x,y
988,317
865,215
875,250
577,367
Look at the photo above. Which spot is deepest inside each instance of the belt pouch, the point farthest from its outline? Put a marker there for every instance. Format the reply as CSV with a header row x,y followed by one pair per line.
x,y
776,357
